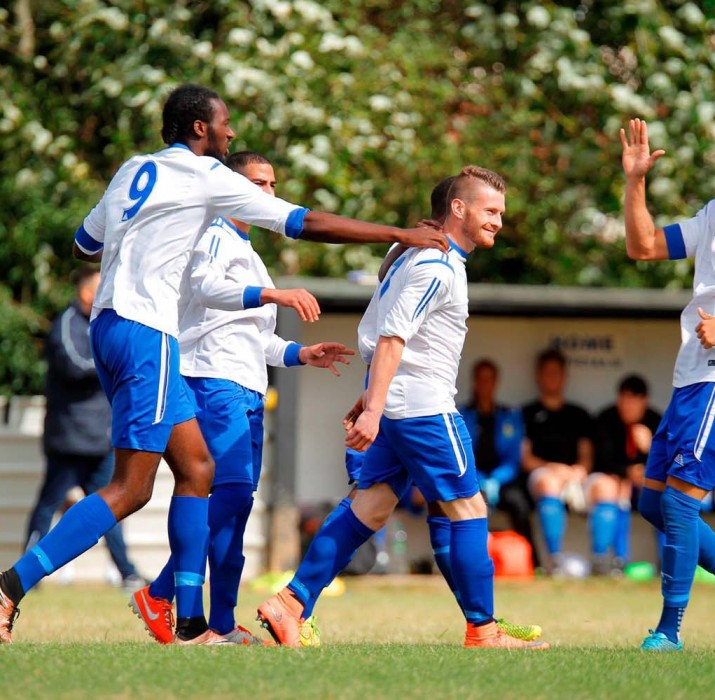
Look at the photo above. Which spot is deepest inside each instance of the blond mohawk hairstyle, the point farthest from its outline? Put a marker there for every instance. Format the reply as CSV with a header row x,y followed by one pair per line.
x,y
462,185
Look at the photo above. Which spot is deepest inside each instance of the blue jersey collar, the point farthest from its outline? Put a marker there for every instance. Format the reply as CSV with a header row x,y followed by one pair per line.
x,y
179,145
227,223
456,248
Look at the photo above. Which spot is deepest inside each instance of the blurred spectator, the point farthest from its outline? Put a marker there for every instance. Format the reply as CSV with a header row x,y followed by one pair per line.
x,y
497,432
624,431
557,452
76,439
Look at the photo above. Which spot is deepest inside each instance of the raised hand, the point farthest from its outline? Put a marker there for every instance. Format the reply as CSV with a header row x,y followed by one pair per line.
x,y
325,355
636,158
305,304
705,330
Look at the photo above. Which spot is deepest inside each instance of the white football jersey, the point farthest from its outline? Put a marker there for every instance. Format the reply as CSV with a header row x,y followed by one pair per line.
x,y
150,218
695,238
236,338
423,300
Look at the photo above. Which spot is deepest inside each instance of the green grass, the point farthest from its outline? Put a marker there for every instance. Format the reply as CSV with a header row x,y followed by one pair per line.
x,y
385,638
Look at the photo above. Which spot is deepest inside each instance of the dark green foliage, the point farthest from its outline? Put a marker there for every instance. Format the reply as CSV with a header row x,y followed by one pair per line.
x,y
364,105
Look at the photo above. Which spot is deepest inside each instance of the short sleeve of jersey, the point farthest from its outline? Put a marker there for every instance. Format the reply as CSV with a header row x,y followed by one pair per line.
x,y
90,235
236,197
411,299
683,239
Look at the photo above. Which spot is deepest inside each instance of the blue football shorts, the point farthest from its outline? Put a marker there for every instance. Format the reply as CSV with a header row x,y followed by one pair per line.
x,y
353,464
231,420
684,444
433,452
138,368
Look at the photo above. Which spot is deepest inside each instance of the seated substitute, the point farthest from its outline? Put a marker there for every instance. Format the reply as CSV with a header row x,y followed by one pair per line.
x,y
557,451
497,432
624,435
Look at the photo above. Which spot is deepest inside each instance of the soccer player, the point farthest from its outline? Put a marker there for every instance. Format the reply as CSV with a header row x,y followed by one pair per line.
x,y
224,352
144,229
410,424
438,523
624,436
680,470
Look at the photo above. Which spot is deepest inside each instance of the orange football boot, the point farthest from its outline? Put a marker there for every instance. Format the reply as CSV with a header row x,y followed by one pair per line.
x,y
489,636
156,614
281,616
8,614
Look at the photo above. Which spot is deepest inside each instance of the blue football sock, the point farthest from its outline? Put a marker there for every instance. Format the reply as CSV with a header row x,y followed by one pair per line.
x,y
472,569
440,535
80,528
229,508
650,508
189,539
603,522
622,539
340,508
328,554
680,557
552,516
163,585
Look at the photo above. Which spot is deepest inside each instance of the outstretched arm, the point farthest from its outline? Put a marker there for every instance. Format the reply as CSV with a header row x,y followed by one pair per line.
x,y
330,228
643,240
325,355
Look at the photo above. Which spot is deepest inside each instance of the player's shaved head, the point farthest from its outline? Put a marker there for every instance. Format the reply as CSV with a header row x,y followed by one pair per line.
x,y
185,105
463,186
438,198
238,161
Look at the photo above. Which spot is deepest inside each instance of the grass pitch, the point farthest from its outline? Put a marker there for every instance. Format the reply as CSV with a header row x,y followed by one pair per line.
x,y
385,638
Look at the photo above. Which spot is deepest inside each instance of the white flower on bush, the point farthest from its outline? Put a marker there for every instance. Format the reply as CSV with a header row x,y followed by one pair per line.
x,y
140,99
321,145
657,135
692,14
353,47
508,20
684,100
706,112
113,17
203,50
26,178
151,75
12,112
326,200
629,102
538,16
160,27
110,86
659,81
313,12
380,103
663,187
239,36
303,60
672,38
331,42
41,137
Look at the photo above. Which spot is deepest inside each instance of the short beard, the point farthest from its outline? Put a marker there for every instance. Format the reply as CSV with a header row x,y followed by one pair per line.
x,y
212,149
